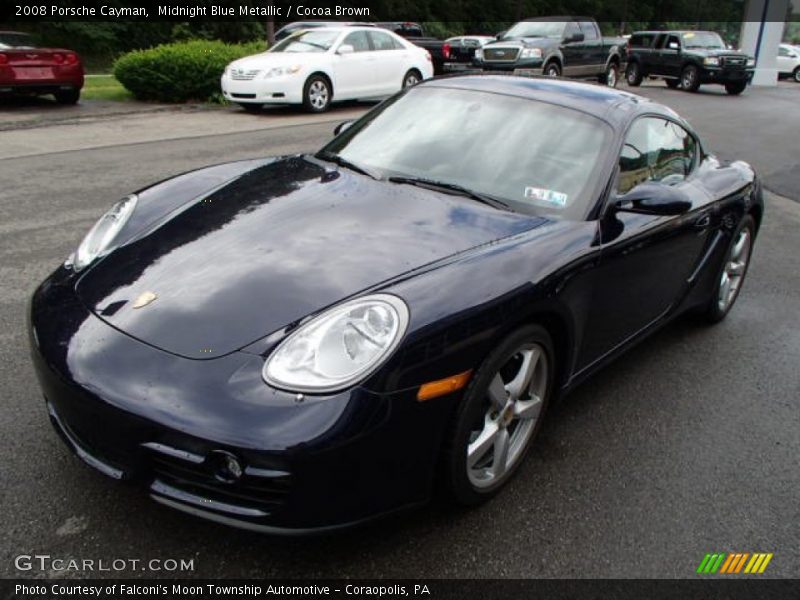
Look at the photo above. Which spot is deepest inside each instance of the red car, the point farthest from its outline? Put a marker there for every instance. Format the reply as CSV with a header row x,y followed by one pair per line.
x,y
24,68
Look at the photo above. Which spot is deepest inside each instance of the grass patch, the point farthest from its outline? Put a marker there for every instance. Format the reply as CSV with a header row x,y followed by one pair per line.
x,y
104,87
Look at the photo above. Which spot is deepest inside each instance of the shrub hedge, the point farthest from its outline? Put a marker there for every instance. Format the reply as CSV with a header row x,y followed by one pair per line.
x,y
180,72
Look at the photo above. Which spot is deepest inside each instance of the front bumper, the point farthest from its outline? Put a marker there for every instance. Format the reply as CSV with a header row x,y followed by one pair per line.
x,y
535,64
173,425
277,90
719,75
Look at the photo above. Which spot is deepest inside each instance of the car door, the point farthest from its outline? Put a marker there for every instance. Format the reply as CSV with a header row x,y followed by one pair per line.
x,y
671,59
787,60
573,50
390,63
646,261
594,55
354,71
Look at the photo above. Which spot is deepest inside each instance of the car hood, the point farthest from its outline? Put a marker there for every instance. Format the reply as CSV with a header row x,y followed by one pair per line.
x,y
277,243
715,52
274,59
526,42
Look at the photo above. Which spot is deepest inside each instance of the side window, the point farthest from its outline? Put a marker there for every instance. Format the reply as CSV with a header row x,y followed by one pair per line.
x,y
673,43
783,52
589,31
571,29
655,150
383,41
358,40
641,40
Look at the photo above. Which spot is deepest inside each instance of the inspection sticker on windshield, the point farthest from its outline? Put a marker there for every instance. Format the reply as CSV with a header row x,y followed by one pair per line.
x,y
549,196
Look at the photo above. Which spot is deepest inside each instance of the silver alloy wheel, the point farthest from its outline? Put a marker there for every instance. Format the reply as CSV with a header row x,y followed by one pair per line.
x,y
552,70
797,74
735,268
411,79
611,76
633,72
687,81
514,403
318,94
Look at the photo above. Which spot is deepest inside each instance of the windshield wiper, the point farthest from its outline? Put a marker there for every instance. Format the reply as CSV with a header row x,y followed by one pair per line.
x,y
347,164
452,187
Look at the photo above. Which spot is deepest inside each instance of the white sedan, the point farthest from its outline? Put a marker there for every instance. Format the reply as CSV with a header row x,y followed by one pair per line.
x,y
789,62
318,66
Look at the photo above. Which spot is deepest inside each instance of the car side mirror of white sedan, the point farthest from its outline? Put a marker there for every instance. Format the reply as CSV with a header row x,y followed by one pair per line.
x,y
345,49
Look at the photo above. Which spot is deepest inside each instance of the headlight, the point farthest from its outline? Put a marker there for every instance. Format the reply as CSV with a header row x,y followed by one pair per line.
x,y
340,347
751,62
278,71
711,60
103,233
531,53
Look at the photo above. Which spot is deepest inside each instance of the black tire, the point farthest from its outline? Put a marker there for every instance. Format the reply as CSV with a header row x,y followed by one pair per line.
x,y
633,74
411,78
473,407
673,84
714,313
611,75
251,108
317,94
552,69
690,78
68,96
735,88
796,74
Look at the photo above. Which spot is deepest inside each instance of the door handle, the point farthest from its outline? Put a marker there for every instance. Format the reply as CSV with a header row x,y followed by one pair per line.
x,y
703,221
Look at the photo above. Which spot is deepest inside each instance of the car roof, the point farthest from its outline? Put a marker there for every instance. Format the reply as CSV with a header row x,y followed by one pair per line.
x,y
616,107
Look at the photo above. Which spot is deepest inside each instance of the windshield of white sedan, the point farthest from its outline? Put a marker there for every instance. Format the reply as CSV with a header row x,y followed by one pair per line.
x,y
548,29
532,156
307,41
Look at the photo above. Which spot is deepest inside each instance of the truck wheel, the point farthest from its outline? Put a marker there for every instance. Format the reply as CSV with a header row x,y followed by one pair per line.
x,y
633,74
673,84
735,87
611,76
796,74
690,78
552,70
68,96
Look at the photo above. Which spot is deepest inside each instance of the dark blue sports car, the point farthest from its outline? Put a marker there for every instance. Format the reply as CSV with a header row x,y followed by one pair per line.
x,y
305,342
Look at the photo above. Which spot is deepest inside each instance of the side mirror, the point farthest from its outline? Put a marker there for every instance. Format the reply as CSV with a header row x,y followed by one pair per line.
x,y
345,49
343,126
575,37
673,46
651,198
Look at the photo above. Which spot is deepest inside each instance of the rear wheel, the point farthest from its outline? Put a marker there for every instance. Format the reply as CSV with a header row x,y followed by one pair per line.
x,y
673,84
251,108
552,69
411,78
690,78
499,416
796,74
317,94
633,74
735,88
68,96
611,76
733,271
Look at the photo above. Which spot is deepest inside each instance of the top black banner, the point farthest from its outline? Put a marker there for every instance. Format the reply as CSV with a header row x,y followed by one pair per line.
x,y
649,12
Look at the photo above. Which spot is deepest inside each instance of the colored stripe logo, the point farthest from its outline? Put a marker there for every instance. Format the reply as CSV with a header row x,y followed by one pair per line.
x,y
733,563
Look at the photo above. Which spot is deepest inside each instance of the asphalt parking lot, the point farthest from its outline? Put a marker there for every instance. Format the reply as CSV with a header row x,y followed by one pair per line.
x,y
688,445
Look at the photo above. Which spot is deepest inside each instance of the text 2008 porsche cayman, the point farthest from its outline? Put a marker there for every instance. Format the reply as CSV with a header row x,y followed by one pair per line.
x,y
305,342
318,66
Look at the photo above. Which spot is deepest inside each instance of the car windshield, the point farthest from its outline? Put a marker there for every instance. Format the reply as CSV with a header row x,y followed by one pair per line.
x,y
535,157
548,29
307,41
703,39
16,40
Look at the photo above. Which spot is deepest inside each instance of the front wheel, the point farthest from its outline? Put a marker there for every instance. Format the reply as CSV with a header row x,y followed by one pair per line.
x,y
611,76
733,271
633,74
68,96
735,88
411,78
552,70
317,94
690,78
796,74
499,416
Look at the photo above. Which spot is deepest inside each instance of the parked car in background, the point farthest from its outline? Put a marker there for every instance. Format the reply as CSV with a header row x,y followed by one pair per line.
x,y
326,64
415,33
687,59
459,52
291,28
555,46
26,68
789,62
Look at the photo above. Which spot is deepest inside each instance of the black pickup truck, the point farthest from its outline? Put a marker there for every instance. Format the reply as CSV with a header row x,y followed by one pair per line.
x,y
569,46
687,59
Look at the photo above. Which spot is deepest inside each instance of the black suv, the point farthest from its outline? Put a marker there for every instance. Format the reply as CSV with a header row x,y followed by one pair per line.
x,y
687,59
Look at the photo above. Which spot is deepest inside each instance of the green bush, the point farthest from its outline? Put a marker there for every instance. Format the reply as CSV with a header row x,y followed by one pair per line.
x,y
180,72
